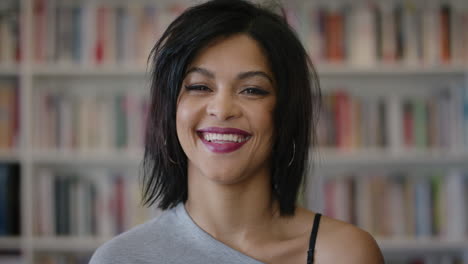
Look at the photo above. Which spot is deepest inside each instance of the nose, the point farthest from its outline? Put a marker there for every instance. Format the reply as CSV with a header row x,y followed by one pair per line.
x,y
224,106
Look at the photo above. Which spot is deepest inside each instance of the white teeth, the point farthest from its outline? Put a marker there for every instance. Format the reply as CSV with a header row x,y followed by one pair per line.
x,y
224,137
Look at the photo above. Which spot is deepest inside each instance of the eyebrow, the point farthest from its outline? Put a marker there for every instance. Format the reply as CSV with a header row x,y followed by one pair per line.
x,y
240,76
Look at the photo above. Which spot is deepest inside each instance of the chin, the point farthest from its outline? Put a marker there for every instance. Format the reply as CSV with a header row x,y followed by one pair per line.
x,y
224,176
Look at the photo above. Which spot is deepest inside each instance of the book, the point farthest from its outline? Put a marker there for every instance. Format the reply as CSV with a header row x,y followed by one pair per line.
x,y
400,204
9,200
9,108
92,203
412,33
89,121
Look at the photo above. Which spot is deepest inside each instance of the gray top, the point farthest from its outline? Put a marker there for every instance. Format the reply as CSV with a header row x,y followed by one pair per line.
x,y
172,238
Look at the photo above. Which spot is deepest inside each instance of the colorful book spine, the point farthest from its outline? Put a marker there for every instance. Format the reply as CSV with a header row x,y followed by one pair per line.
x,y
396,122
387,32
89,122
94,34
396,204
98,204
9,115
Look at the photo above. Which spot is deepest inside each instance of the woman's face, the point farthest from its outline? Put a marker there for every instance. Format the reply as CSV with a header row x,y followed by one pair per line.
x,y
225,111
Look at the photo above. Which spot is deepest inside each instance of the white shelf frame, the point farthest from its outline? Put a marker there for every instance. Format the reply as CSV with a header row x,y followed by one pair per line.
x,y
385,158
106,158
10,243
12,155
334,70
326,70
11,70
67,70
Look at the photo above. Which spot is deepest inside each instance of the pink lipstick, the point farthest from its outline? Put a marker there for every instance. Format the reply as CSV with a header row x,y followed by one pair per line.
x,y
223,140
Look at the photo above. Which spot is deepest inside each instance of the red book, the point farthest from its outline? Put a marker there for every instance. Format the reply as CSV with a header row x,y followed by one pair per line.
x,y
408,122
445,34
39,30
16,118
100,34
343,120
330,197
334,36
119,204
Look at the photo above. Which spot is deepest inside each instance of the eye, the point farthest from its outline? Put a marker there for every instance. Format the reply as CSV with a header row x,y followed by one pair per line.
x,y
197,88
254,91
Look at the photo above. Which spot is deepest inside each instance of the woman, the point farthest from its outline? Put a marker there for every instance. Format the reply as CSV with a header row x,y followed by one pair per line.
x,y
232,117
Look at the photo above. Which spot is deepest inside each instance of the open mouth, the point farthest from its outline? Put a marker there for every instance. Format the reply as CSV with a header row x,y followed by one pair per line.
x,y
223,140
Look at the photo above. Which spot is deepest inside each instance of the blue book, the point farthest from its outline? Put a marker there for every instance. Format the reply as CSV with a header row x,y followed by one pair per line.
x,y
465,115
121,21
77,33
423,216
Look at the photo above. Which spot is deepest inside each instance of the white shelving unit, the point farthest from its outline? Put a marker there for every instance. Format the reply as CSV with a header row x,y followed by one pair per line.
x,y
87,158
379,77
330,158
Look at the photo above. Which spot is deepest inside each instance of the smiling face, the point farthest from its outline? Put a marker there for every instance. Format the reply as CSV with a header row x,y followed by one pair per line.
x,y
225,111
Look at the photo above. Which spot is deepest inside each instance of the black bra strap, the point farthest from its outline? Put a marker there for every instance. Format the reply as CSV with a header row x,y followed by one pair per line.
x,y
313,238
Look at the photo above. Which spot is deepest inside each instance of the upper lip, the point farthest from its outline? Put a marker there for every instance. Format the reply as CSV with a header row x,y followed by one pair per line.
x,y
224,130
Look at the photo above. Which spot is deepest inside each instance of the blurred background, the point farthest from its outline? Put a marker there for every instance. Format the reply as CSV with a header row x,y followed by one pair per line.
x,y
393,132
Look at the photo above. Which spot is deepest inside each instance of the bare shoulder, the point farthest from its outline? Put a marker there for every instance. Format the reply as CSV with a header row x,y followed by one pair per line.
x,y
340,242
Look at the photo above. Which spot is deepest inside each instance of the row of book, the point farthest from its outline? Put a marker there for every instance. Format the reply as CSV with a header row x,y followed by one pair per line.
x,y
361,34
98,203
9,199
93,33
364,33
438,120
9,114
96,121
9,33
411,204
349,122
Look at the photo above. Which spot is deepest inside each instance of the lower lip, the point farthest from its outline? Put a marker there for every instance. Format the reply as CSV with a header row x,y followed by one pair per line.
x,y
225,147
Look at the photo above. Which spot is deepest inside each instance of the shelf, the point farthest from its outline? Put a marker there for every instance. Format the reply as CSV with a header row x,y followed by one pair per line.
x,y
421,245
8,70
9,156
326,69
391,70
116,158
67,244
91,71
8,243
329,157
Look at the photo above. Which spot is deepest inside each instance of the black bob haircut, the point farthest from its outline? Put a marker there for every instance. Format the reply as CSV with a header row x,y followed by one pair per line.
x,y
296,109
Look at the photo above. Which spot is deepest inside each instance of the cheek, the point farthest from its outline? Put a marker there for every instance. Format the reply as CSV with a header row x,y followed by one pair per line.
x,y
186,118
264,118
182,121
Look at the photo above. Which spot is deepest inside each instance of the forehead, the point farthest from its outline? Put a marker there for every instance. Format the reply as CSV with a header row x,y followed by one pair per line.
x,y
232,54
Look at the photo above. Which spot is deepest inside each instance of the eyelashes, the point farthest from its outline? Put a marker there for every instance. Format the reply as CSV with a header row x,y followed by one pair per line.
x,y
197,88
251,91
255,91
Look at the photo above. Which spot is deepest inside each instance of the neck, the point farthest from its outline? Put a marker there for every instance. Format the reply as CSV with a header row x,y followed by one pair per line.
x,y
236,213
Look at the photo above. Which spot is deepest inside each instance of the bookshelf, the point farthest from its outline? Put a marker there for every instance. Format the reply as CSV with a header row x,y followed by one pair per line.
x,y
46,67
